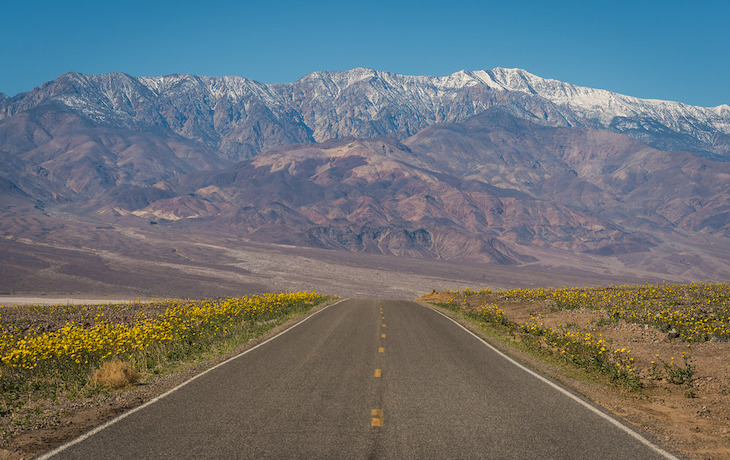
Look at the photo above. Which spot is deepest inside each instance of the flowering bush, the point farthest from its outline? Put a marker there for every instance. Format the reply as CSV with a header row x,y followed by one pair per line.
x,y
71,352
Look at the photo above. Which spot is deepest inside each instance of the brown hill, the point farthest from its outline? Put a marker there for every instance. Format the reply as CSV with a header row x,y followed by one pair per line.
x,y
493,189
507,181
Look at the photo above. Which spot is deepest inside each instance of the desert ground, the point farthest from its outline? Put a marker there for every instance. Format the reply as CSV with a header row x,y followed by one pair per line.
x,y
138,264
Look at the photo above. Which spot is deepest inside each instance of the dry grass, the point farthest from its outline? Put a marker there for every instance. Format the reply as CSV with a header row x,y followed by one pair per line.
x,y
115,374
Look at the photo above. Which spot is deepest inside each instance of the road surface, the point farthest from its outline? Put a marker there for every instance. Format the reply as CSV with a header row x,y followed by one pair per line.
x,y
367,379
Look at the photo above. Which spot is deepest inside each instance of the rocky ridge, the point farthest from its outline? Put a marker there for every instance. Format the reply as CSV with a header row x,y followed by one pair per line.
x,y
495,166
239,117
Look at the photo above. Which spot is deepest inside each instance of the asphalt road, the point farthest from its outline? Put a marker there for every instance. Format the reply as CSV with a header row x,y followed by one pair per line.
x,y
367,379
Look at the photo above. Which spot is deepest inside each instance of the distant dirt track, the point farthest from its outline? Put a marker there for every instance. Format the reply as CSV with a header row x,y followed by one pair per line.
x,y
57,300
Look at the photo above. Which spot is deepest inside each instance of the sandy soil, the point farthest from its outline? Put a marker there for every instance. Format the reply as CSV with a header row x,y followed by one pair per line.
x,y
15,300
136,264
131,264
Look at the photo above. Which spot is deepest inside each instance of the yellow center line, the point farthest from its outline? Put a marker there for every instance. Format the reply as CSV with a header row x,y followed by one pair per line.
x,y
376,417
378,373
381,350
383,324
382,335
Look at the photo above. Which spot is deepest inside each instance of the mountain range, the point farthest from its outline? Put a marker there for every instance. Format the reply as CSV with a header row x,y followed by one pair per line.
x,y
496,167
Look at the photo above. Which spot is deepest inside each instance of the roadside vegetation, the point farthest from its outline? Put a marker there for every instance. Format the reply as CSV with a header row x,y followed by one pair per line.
x,y
684,312
56,352
662,347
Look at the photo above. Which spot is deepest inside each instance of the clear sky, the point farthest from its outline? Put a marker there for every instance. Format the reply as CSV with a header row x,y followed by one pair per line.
x,y
674,50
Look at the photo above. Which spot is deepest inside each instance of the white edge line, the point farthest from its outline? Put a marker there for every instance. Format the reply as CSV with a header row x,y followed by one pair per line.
x,y
120,417
601,414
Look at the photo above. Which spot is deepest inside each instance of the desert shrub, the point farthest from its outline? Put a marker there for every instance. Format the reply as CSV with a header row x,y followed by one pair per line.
x,y
115,374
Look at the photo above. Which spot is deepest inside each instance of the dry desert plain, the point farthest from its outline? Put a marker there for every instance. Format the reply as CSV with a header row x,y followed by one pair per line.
x,y
208,267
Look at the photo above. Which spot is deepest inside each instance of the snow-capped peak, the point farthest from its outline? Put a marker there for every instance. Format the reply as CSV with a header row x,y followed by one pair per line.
x,y
365,102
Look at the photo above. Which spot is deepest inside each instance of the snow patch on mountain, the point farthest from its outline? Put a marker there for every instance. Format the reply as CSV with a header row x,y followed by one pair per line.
x,y
602,106
241,116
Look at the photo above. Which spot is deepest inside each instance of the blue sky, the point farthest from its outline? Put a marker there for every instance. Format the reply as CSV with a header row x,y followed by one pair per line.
x,y
664,50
